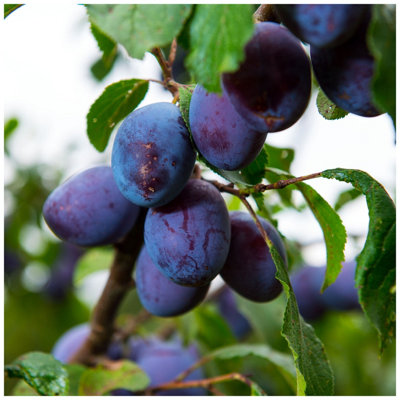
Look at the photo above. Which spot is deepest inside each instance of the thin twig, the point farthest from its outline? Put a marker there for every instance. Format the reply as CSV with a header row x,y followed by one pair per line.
x,y
201,382
265,12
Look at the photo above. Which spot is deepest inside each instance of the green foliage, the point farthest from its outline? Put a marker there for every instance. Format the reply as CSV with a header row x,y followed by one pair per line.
x,y
314,372
218,33
109,48
114,104
9,127
185,94
211,329
328,109
376,264
9,8
101,380
332,228
283,362
345,197
75,372
140,27
382,43
41,371
97,259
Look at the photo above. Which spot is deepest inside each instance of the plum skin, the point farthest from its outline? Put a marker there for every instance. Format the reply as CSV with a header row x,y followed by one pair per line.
x,y
221,135
152,157
306,283
345,73
89,210
321,25
159,295
228,308
249,269
340,295
188,239
272,86
69,343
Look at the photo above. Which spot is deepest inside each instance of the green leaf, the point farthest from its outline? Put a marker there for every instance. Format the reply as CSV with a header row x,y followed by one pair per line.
x,y
332,227
281,360
109,48
345,197
279,157
376,264
140,27
381,39
93,260
114,104
185,95
256,390
23,389
75,372
9,127
41,371
328,109
9,8
218,34
314,372
121,375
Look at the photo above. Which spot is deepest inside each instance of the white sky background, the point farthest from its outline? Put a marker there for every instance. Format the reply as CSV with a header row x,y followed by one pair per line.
x,y
48,86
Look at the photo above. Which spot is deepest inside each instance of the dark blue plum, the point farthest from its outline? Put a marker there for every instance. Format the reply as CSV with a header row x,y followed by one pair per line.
x,y
188,239
272,87
249,269
152,157
89,210
342,294
159,295
221,135
321,25
228,308
164,361
307,283
69,343
345,73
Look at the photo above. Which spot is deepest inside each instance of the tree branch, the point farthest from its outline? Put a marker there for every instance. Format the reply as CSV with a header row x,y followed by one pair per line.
x,y
206,383
118,284
259,188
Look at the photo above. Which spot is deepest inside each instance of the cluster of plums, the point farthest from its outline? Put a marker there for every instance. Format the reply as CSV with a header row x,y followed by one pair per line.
x,y
341,60
190,237
162,361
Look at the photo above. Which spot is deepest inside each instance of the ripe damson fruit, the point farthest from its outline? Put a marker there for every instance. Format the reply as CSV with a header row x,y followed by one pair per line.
x,y
164,361
342,294
159,295
249,269
321,25
152,157
89,210
307,282
345,72
188,239
272,86
221,135
228,308
69,343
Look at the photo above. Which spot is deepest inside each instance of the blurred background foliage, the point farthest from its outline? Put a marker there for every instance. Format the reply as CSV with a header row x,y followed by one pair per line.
x,y
43,299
